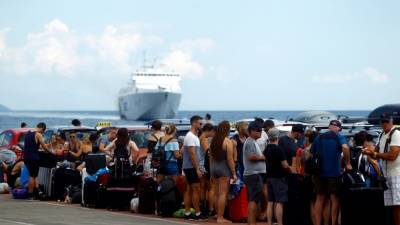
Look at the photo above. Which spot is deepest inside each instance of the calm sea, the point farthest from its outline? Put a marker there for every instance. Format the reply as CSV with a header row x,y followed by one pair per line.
x,y
90,118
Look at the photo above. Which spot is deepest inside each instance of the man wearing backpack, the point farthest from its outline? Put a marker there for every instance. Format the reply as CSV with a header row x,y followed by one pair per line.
x,y
329,147
388,149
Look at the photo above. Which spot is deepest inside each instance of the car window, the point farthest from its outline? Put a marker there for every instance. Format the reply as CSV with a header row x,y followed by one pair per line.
x,y
7,138
140,138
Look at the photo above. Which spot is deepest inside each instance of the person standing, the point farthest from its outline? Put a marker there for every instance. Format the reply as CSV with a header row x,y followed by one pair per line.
x,y
222,166
33,141
153,140
191,169
238,139
388,149
207,195
277,168
288,144
268,124
76,123
329,146
254,170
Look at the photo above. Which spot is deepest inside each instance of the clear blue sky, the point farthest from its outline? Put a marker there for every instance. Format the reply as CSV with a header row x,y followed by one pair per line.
x,y
234,55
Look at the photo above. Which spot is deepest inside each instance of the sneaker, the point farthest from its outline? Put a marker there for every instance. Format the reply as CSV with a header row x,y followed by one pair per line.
x,y
190,217
201,217
212,213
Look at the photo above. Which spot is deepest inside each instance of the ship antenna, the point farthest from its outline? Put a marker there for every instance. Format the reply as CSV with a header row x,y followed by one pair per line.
x,y
144,60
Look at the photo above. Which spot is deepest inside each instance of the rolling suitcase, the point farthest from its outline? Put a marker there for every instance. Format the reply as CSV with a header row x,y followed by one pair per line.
x,y
46,182
237,207
147,196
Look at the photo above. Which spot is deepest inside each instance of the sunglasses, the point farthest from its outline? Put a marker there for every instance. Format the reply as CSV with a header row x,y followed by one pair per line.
x,y
72,136
385,121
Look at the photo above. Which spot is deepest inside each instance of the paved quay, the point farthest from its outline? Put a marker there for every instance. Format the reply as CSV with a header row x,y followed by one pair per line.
x,y
25,212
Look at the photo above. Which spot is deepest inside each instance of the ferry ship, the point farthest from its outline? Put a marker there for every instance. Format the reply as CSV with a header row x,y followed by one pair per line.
x,y
151,94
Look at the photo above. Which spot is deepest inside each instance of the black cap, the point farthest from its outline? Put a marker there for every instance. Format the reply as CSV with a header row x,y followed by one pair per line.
x,y
335,123
298,128
386,117
255,126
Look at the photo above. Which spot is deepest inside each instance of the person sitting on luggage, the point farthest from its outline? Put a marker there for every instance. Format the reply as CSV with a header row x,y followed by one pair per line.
x,y
222,166
56,147
278,168
94,159
73,146
13,171
88,142
123,147
254,170
169,164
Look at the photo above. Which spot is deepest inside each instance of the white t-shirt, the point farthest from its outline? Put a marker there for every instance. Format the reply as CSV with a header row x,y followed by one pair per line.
x,y
262,141
191,140
393,167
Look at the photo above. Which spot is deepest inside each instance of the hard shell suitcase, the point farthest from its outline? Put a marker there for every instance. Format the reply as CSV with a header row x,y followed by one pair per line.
x,y
237,207
46,182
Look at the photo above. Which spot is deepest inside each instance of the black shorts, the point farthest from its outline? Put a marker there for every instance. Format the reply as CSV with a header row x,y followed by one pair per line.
x,y
33,167
191,176
327,185
254,184
277,190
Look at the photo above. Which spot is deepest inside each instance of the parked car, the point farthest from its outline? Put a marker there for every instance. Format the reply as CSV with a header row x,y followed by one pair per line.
x,y
13,137
63,132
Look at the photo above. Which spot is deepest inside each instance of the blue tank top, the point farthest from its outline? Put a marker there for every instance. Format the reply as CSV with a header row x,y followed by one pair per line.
x,y
31,148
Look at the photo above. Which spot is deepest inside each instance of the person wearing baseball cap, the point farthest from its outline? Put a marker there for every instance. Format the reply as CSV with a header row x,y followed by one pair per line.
x,y
254,170
330,146
388,149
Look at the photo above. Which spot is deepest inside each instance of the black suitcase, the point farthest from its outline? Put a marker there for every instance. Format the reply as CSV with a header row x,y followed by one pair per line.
x,y
63,178
47,160
364,206
90,191
296,209
147,196
120,197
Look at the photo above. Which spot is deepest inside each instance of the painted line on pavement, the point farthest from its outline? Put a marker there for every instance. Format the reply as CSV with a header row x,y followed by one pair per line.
x,y
12,221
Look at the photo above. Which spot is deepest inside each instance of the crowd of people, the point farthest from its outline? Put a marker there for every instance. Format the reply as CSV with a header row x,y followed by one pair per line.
x,y
268,162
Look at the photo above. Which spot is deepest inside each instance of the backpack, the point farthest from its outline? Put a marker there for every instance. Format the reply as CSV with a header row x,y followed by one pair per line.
x,y
167,202
158,160
353,179
313,164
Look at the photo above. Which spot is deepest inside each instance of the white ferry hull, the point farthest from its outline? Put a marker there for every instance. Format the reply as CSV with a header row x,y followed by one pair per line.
x,y
149,105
